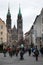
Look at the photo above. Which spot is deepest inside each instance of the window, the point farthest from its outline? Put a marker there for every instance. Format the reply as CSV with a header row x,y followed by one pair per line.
x,y
1,26
1,39
1,33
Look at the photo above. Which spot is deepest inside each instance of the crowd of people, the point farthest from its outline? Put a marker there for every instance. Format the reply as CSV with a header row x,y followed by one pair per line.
x,y
21,50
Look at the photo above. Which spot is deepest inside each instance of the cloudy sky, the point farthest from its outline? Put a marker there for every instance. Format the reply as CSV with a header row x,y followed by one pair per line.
x,y
29,9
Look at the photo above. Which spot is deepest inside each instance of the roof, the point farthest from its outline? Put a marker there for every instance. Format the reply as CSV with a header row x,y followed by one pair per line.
x,y
36,19
2,20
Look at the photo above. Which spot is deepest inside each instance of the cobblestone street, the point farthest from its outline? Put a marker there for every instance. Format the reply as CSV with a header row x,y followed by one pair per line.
x,y
16,60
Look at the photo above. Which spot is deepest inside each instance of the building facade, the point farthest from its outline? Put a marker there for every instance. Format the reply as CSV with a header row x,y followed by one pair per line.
x,y
8,34
19,25
3,32
36,30
14,34
29,37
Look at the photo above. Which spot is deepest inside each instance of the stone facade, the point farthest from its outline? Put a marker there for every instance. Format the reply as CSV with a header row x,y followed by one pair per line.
x,y
3,32
20,25
13,34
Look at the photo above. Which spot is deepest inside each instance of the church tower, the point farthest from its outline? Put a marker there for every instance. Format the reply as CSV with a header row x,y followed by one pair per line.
x,y
8,20
19,25
8,24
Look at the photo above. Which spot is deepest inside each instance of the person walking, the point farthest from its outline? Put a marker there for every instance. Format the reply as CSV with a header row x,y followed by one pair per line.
x,y
21,52
29,51
4,50
36,53
17,51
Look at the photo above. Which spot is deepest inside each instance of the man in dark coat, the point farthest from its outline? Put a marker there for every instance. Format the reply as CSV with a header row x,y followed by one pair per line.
x,y
36,53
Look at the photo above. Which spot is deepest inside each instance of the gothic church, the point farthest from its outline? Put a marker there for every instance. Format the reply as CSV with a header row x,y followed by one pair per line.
x,y
13,34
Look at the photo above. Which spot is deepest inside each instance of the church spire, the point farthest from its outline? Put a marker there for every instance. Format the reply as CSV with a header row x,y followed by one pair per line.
x,y
8,20
19,14
8,14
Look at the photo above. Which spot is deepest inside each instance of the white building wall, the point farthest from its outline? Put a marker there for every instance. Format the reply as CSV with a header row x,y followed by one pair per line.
x,y
37,27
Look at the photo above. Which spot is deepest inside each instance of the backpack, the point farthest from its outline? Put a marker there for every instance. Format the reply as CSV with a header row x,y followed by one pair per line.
x,y
36,52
